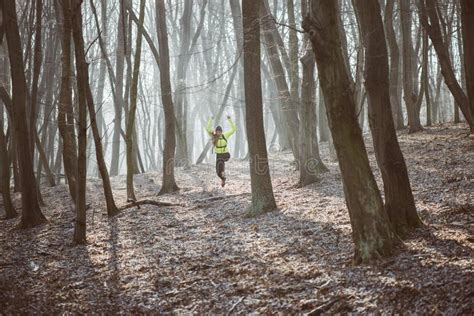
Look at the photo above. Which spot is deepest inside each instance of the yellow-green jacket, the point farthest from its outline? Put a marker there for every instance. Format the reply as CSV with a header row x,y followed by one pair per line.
x,y
221,145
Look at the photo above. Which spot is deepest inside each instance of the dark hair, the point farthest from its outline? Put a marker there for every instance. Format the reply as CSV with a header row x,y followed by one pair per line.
x,y
215,137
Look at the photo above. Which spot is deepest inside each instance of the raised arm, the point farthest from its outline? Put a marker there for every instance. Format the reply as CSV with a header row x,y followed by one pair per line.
x,y
233,128
209,127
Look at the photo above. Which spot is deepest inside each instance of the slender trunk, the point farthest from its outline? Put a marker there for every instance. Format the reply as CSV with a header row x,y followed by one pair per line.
x,y
182,158
310,162
467,20
65,109
322,118
394,65
293,42
262,191
399,201
80,223
430,20
118,99
36,71
169,183
289,107
102,69
10,211
130,132
31,211
409,96
86,94
5,161
48,130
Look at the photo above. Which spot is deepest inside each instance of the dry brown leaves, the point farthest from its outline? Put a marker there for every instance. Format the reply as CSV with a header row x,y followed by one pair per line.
x,y
208,256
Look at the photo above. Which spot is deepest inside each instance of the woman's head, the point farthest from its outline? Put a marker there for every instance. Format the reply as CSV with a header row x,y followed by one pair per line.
x,y
216,135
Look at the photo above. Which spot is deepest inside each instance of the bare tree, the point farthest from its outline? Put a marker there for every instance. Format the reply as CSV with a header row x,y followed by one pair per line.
x,y
31,212
394,65
118,96
310,161
288,106
429,17
409,94
80,223
169,183
262,192
66,120
399,201
130,131
371,229
84,87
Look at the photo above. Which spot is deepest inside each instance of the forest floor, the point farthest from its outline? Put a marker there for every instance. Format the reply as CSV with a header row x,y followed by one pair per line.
x,y
207,256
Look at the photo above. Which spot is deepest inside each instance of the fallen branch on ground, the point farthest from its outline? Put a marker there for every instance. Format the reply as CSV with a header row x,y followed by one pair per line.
x,y
146,202
220,197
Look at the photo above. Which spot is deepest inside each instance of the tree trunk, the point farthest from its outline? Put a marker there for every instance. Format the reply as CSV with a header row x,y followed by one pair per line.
x,y
182,158
293,43
169,183
467,19
359,91
5,162
118,100
130,132
65,109
102,69
262,191
399,201
10,211
31,212
37,59
84,88
430,21
409,94
461,59
394,65
310,161
371,229
48,128
289,107
322,118
240,137
80,223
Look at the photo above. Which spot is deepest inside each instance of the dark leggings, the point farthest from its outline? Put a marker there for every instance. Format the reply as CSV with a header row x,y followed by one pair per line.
x,y
220,163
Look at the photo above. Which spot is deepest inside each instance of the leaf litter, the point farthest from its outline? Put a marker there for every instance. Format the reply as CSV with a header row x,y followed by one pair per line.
x,y
207,256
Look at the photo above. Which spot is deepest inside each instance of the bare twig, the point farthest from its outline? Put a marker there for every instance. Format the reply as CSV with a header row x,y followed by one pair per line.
x,y
289,26
322,308
235,305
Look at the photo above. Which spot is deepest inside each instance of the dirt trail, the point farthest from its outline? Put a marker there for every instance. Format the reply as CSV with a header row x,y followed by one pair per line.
x,y
207,256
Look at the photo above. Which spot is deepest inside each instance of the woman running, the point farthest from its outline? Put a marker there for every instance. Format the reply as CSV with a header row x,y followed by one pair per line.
x,y
219,141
